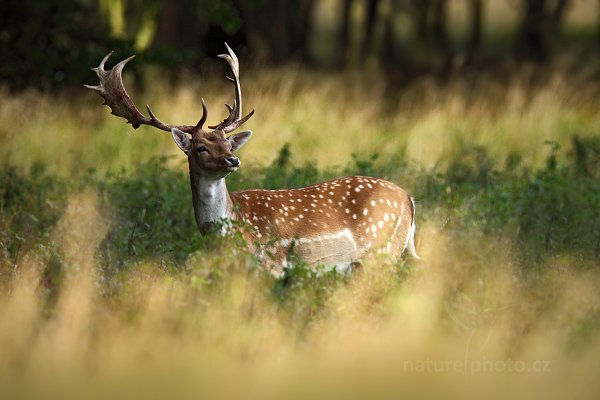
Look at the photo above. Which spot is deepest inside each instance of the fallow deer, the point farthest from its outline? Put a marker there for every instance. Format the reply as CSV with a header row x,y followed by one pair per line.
x,y
333,223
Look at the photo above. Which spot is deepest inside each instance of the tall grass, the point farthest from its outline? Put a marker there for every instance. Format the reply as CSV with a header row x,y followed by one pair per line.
x,y
325,118
463,322
106,289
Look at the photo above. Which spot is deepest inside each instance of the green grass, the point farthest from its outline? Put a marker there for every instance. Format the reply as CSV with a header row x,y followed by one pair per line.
x,y
107,288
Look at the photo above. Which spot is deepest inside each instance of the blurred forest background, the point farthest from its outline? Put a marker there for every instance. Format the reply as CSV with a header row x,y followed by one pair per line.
x,y
50,43
486,111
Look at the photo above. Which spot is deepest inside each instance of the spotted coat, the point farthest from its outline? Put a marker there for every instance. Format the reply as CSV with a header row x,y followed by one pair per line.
x,y
333,223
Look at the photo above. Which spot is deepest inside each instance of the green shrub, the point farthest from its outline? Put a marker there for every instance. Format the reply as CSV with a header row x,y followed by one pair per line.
x,y
555,210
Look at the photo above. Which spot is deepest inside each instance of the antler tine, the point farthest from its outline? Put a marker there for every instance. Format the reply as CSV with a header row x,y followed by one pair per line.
x,y
155,122
234,120
227,120
236,124
115,96
101,66
204,115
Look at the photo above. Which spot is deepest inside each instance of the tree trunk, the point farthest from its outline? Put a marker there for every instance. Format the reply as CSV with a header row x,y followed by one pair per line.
x,y
475,30
533,41
443,43
303,31
344,40
370,19
557,14
393,54
422,22
177,25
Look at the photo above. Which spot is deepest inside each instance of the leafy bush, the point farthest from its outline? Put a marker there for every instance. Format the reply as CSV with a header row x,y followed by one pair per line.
x,y
554,210
153,216
30,205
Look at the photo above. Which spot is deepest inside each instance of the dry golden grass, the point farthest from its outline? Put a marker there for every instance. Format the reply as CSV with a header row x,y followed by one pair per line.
x,y
324,117
464,323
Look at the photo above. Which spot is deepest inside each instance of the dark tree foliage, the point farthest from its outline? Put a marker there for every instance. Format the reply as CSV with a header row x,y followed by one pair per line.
x,y
190,29
52,43
49,43
279,30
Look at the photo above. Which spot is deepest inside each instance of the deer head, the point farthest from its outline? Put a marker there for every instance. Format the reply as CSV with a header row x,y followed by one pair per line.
x,y
210,153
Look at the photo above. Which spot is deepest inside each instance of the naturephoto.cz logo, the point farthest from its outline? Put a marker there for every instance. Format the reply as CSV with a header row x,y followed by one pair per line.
x,y
472,367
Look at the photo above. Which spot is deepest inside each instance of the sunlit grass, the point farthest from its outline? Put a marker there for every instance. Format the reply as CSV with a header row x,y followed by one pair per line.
x,y
84,312
463,321
324,117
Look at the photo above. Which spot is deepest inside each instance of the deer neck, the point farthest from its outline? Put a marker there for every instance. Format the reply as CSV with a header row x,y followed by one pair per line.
x,y
211,200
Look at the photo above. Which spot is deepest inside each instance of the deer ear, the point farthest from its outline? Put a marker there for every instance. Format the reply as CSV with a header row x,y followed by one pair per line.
x,y
239,139
182,140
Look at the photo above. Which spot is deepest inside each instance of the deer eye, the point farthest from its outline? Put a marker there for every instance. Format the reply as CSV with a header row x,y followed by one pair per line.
x,y
201,149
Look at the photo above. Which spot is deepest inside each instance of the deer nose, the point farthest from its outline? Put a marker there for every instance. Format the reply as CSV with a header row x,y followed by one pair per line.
x,y
233,161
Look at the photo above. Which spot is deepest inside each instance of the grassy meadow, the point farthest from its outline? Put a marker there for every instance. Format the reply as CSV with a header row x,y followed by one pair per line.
x,y
107,290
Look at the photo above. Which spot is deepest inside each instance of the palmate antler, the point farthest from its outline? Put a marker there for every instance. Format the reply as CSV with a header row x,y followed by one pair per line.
x,y
115,96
